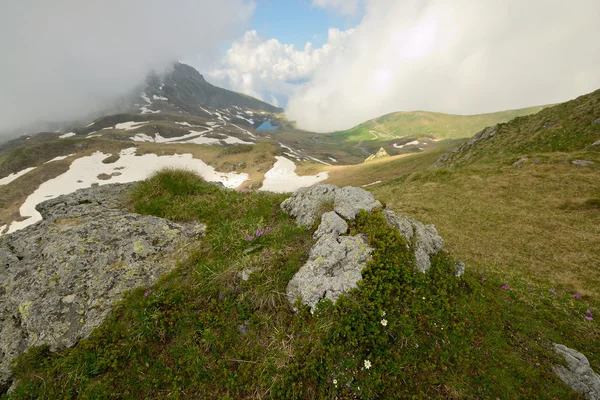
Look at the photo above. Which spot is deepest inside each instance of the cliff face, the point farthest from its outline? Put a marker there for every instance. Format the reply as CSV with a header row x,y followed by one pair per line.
x,y
60,277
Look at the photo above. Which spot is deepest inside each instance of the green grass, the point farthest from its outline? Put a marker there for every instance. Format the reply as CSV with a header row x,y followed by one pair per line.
x,y
428,124
201,332
564,128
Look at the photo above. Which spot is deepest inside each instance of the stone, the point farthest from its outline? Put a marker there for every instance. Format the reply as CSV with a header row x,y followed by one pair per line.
x,y
596,144
60,277
424,238
459,268
350,200
331,224
334,267
308,204
578,374
582,163
596,121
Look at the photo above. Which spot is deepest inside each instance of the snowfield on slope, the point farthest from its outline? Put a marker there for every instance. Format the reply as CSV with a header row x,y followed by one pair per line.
x,y
84,172
8,179
282,178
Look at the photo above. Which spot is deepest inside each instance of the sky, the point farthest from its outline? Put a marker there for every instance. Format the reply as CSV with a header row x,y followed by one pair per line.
x,y
331,64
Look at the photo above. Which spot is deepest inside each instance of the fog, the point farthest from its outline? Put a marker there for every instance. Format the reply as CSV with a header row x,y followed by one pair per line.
x,y
463,57
65,59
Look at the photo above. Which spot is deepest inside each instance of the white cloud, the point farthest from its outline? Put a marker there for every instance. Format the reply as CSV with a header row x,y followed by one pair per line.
x,y
267,69
64,58
345,7
463,56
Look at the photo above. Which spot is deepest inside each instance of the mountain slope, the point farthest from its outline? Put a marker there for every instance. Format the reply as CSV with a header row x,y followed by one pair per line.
x,y
425,123
186,89
567,127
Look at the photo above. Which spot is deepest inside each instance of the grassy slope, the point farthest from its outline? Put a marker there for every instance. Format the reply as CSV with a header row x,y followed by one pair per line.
x,y
429,124
201,332
566,127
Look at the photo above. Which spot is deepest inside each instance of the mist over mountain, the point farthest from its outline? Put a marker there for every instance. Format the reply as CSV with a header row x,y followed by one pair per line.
x,y
63,60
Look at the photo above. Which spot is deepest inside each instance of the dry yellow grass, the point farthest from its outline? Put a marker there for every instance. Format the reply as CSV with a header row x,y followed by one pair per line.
x,y
531,221
383,169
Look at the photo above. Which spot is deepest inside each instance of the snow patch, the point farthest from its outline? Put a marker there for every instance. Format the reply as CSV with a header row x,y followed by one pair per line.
x,y
8,179
67,135
413,143
128,126
282,178
371,184
146,98
59,158
244,130
146,110
132,168
155,97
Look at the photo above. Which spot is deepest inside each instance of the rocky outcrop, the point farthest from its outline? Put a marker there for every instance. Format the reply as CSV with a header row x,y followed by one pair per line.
x,y
307,204
380,154
60,277
425,239
331,224
334,267
336,261
578,374
447,158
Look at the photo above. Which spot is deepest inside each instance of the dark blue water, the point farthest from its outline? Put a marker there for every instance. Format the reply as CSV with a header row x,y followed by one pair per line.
x,y
266,126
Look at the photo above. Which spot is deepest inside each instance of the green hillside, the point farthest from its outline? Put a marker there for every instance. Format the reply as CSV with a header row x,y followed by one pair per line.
x,y
567,127
424,123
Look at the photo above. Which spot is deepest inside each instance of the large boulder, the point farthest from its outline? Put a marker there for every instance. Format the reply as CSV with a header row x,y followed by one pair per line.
x,y
307,204
60,277
578,374
334,267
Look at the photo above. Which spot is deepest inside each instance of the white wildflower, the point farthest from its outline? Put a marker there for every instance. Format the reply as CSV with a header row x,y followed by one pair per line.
x,y
384,322
367,364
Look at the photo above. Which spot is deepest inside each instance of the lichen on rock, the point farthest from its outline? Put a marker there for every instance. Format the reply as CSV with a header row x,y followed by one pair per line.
x,y
336,261
578,374
60,277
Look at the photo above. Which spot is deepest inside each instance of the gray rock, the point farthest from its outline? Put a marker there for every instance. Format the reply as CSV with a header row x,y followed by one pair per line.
x,y
447,158
582,163
60,277
596,121
459,268
333,268
596,143
308,204
331,224
424,238
350,200
578,374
